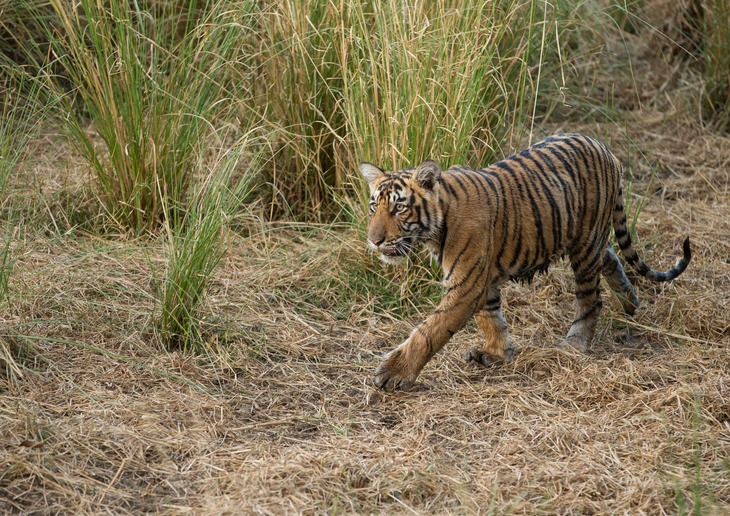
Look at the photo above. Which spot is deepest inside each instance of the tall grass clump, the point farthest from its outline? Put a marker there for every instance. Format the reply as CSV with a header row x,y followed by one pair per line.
x,y
435,80
303,88
627,15
196,245
21,112
393,82
22,38
716,54
152,83
20,115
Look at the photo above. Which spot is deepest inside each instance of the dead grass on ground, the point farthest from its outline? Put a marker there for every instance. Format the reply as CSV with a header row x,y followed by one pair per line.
x,y
281,417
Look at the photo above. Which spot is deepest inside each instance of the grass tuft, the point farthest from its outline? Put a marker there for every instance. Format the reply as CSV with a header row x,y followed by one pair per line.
x,y
716,54
303,79
196,246
433,80
20,116
393,83
151,97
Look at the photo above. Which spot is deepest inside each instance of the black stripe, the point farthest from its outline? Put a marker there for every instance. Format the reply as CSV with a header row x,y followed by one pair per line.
x,y
504,200
593,251
493,305
583,188
516,213
566,191
426,210
450,189
485,178
464,174
444,232
458,257
585,292
536,212
468,275
460,183
567,161
420,223
597,306
595,261
517,253
477,184
602,167
609,267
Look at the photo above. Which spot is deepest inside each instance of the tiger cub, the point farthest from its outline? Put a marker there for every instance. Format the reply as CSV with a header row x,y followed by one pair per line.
x,y
509,221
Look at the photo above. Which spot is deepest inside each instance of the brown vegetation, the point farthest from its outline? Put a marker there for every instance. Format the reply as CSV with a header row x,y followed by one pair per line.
x,y
280,416
283,417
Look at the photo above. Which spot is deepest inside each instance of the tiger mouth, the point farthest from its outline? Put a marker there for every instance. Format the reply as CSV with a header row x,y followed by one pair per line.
x,y
393,253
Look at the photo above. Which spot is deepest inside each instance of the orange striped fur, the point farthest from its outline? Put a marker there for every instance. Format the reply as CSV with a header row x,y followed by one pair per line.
x,y
558,198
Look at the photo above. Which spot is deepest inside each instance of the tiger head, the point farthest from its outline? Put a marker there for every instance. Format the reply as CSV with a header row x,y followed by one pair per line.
x,y
404,209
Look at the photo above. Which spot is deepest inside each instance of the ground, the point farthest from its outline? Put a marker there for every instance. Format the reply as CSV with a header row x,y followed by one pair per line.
x,y
281,416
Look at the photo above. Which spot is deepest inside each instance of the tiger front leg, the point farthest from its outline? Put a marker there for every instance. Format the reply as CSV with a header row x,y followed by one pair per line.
x,y
498,346
400,367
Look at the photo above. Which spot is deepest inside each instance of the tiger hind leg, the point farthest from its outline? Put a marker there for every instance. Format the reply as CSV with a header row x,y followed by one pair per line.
x,y
588,304
614,274
498,347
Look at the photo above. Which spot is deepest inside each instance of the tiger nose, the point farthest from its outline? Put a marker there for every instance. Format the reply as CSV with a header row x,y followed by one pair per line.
x,y
377,241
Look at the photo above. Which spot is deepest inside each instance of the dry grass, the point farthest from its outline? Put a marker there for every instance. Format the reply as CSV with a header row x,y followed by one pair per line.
x,y
280,416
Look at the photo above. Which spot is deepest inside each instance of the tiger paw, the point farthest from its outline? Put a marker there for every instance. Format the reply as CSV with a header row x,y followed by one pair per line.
x,y
393,373
630,302
479,356
576,342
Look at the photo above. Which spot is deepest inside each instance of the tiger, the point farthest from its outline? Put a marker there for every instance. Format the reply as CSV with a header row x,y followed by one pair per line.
x,y
558,198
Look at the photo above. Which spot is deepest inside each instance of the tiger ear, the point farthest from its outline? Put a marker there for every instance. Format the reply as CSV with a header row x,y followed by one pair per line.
x,y
428,174
371,173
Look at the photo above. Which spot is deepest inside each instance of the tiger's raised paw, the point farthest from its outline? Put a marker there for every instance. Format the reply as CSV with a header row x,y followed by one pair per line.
x,y
482,358
392,373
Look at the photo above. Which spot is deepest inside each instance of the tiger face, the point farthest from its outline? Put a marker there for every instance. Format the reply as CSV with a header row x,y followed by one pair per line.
x,y
404,209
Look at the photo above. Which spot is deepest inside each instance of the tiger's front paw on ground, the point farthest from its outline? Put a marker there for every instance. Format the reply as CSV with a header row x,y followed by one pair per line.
x,y
482,358
393,373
